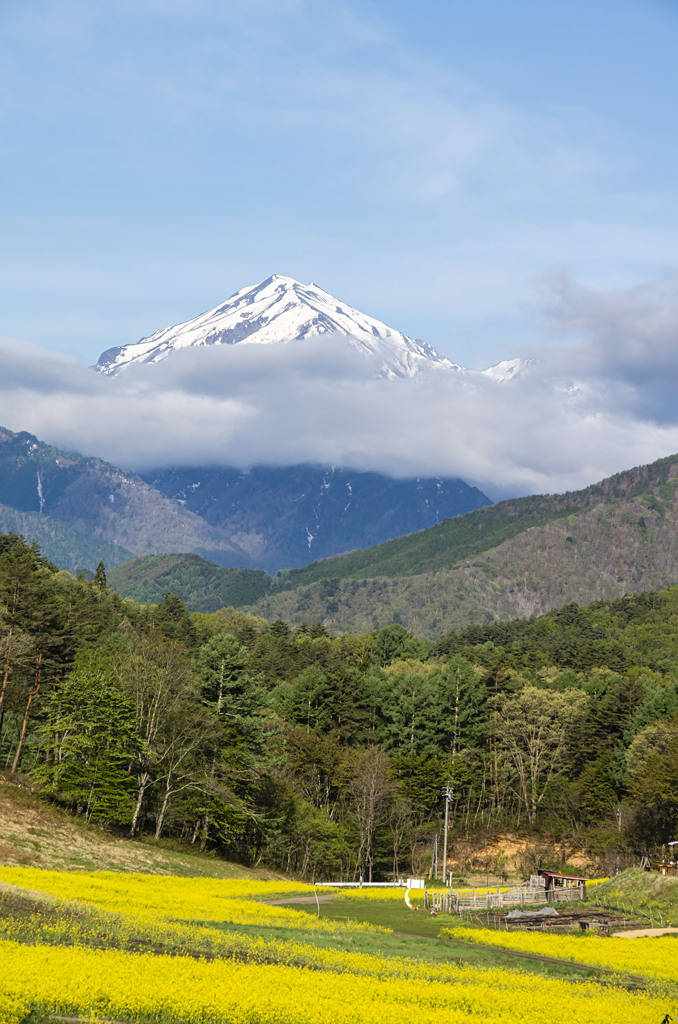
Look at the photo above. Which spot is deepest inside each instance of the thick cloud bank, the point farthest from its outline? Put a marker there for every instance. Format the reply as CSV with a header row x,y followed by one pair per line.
x,y
598,398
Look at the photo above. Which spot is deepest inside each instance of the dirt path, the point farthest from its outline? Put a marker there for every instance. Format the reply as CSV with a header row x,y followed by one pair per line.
x,y
644,933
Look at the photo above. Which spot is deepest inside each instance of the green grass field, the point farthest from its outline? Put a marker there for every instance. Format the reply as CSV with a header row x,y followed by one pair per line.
x,y
416,934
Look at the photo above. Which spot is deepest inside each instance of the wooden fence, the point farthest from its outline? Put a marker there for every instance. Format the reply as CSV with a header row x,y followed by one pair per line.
x,y
453,903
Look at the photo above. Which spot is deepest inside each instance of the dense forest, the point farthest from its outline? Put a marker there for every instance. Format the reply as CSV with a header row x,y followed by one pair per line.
x,y
328,755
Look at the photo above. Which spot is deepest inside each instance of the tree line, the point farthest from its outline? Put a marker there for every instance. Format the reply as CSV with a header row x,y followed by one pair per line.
x,y
328,755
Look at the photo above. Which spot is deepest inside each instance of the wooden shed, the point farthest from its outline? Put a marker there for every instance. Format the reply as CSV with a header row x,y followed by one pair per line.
x,y
556,880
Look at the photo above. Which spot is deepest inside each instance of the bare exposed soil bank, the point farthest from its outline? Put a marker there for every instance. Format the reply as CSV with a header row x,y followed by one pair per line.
x,y
513,857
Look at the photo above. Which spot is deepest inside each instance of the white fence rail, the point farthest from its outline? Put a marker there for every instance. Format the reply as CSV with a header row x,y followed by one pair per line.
x,y
363,885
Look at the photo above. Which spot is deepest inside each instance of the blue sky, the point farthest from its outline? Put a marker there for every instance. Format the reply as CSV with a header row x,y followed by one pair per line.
x,y
430,164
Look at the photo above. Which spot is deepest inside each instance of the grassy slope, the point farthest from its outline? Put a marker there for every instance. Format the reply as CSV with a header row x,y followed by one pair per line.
x,y
513,559
642,893
35,834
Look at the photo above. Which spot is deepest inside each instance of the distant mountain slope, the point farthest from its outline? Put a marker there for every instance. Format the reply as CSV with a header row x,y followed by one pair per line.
x,y
283,516
515,558
278,311
202,585
266,517
103,504
60,544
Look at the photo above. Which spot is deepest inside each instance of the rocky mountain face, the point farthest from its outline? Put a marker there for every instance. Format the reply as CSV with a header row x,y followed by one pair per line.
x,y
287,516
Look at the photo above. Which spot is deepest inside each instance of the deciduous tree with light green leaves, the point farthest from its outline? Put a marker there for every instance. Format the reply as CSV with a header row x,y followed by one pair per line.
x,y
652,762
532,728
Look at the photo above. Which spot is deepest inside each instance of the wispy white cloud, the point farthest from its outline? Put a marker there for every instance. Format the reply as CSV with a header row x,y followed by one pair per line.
x,y
625,341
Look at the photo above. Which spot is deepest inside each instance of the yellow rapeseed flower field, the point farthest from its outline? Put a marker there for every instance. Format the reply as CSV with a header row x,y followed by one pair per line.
x,y
244,978
655,958
172,898
149,890
398,893
130,986
13,1008
356,893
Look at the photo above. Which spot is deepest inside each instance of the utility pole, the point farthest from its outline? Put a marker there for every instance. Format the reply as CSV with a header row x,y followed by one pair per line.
x,y
447,793
619,828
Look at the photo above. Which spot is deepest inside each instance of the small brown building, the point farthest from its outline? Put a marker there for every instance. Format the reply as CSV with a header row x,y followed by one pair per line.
x,y
554,880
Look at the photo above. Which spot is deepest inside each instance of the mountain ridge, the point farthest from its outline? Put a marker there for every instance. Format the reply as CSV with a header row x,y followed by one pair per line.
x,y
518,558
481,529
100,503
82,509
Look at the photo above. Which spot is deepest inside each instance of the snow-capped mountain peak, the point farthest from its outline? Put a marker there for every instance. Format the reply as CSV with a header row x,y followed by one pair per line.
x,y
278,311
507,369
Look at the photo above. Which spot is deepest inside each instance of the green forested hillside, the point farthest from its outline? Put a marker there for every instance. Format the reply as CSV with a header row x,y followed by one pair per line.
x,y
328,755
455,540
636,631
515,558
202,585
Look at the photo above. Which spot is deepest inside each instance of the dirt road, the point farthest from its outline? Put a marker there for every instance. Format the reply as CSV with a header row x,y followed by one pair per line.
x,y
644,933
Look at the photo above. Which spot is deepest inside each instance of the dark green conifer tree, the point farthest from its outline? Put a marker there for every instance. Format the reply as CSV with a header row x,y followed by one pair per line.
x,y
174,621
100,580
88,741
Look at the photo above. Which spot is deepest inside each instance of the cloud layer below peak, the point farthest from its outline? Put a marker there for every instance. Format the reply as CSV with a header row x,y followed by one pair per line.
x,y
599,397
